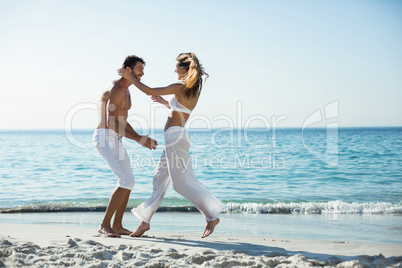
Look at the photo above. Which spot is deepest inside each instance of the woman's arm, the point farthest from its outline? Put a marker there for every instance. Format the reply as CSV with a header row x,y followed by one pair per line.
x,y
171,89
160,100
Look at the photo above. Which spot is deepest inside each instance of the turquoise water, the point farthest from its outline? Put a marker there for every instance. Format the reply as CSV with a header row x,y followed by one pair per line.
x,y
350,171
48,167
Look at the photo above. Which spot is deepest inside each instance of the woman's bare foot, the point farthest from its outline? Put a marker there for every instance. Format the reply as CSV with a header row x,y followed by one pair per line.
x,y
209,229
141,229
108,231
121,230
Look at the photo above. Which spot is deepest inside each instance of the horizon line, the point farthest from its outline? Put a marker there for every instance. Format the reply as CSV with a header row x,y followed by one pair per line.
x,y
205,129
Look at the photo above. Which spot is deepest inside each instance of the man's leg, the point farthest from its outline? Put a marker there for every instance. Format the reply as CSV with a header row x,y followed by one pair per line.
x,y
124,195
114,153
115,201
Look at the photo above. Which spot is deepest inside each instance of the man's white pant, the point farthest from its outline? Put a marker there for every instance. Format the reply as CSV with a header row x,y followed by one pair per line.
x,y
109,145
175,167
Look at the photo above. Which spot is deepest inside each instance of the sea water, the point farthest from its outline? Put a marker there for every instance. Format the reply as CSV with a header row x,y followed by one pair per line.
x,y
319,183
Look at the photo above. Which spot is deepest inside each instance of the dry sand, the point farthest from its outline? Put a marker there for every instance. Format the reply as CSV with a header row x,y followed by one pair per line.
x,y
59,246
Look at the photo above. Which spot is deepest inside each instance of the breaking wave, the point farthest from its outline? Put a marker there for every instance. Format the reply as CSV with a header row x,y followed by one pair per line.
x,y
331,207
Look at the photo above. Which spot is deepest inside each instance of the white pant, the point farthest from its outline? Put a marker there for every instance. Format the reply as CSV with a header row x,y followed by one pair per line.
x,y
109,145
175,167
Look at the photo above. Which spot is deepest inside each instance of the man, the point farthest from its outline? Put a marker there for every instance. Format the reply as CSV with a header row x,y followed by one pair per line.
x,y
114,105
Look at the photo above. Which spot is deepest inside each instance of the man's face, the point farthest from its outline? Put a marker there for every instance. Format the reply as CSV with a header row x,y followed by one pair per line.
x,y
138,70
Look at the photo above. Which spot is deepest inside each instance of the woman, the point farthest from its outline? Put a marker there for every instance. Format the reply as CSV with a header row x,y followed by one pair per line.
x,y
175,163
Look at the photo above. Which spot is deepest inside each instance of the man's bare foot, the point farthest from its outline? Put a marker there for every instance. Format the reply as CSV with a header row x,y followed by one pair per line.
x,y
209,229
121,230
141,229
108,231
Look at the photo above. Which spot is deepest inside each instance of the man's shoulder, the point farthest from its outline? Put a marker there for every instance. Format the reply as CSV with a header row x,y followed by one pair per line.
x,y
111,86
116,90
116,87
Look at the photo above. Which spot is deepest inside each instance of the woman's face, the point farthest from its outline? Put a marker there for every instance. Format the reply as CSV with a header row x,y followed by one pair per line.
x,y
181,72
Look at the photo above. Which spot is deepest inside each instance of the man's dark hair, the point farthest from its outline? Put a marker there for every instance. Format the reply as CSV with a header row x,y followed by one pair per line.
x,y
131,61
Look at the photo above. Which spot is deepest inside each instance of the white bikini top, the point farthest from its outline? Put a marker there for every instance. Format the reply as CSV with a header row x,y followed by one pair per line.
x,y
178,107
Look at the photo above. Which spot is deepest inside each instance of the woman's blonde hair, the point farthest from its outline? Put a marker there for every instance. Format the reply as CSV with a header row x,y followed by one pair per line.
x,y
193,78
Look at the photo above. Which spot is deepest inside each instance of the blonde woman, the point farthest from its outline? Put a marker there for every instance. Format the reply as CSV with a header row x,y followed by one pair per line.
x,y
175,164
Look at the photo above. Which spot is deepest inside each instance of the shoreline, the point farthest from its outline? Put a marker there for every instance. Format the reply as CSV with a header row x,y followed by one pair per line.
x,y
57,245
384,229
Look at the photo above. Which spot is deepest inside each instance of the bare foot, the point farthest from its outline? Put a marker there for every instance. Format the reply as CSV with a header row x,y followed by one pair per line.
x,y
209,229
108,231
141,229
121,230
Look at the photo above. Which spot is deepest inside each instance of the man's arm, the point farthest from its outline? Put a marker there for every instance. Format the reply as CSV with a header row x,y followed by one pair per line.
x,y
118,123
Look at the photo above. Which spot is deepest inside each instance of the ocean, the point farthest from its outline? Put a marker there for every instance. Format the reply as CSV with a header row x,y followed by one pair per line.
x,y
316,183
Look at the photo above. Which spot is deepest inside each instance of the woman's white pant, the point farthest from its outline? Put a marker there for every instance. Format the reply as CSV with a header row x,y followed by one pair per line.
x,y
175,167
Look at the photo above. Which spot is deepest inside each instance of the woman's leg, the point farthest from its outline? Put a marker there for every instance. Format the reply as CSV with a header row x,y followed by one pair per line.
x,y
161,183
185,181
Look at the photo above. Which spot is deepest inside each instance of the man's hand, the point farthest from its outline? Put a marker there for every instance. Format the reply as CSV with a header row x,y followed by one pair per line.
x,y
126,74
147,142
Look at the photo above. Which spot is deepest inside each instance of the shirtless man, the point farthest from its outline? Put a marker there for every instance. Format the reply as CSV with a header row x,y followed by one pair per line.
x,y
114,105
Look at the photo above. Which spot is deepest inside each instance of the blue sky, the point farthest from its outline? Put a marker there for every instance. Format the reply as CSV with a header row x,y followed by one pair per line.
x,y
266,59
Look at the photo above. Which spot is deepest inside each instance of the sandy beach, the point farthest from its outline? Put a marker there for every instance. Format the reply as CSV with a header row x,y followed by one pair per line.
x,y
36,245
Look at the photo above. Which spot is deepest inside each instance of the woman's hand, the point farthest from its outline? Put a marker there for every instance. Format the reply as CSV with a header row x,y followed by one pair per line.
x,y
126,74
160,100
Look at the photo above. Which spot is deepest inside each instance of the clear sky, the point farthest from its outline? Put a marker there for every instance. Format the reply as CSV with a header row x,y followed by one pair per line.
x,y
266,59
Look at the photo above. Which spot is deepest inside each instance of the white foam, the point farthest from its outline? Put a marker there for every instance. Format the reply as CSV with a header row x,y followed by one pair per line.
x,y
331,207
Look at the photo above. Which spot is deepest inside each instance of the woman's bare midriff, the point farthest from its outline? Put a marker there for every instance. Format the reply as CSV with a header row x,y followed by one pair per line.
x,y
175,118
